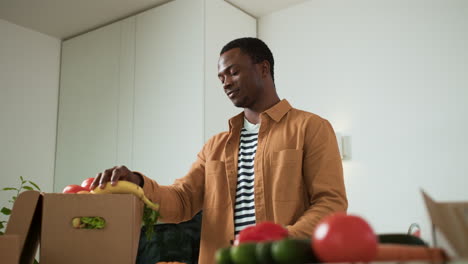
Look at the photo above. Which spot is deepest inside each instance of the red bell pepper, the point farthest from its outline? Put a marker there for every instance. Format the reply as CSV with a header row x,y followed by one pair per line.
x,y
265,231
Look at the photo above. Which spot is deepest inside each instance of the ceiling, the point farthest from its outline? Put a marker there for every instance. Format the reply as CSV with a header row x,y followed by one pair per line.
x,y
67,18
259,8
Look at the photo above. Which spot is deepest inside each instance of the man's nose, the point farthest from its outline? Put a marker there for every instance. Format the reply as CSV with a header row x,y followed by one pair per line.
x,y
227,82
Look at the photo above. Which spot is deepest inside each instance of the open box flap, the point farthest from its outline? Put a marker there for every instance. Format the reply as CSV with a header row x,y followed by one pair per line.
x,y
25,222
9,249
452,221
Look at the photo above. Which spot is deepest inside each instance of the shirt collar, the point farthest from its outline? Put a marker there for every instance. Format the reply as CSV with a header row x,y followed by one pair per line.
x,y
275,112
279,110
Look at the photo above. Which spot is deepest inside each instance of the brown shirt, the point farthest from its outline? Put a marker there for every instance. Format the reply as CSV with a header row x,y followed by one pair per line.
x,y
298,178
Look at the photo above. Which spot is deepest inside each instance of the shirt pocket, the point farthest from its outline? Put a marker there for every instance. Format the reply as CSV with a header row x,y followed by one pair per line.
x,y
216,185
287,158
286,171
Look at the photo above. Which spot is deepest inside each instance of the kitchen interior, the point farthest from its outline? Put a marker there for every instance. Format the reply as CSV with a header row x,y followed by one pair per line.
x,y
92,84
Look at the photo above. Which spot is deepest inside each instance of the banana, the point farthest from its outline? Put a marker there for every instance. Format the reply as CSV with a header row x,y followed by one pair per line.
x,y
124,187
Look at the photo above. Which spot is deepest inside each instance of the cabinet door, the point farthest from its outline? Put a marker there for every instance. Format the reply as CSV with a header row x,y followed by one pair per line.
x,y
223,23
94,109
168,124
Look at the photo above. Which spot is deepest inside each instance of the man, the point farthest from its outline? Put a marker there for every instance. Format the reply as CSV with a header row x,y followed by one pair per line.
x,y
275,163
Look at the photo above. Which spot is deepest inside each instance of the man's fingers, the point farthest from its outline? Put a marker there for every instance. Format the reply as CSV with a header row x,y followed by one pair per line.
x,y
96,181
117,173
105,177
112,175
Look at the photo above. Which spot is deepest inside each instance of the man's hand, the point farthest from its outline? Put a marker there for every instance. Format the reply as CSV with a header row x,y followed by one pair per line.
x,y
117,173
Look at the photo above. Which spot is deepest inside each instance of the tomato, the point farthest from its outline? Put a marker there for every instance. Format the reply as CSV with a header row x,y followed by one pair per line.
x,y
265,231
73,188
87,183
344,238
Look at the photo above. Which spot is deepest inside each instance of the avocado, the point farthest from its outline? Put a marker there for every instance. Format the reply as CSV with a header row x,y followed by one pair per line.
x,y
403,239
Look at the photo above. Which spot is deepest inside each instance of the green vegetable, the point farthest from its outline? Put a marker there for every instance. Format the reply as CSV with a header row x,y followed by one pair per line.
x,y
94,222
150,218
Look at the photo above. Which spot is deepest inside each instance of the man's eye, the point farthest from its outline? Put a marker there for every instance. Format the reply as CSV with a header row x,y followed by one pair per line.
x,y
235,73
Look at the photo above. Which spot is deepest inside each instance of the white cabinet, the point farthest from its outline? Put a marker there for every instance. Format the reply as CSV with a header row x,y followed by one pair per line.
x,y
92,109
144,91
223,23
168,124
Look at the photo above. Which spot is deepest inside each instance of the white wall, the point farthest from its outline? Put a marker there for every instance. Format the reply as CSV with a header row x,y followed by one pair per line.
x,y
135,91
223,23
168,112
178,96
29,74
394,76
95,104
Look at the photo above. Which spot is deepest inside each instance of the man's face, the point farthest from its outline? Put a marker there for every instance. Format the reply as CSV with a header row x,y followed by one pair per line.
x,y
241,78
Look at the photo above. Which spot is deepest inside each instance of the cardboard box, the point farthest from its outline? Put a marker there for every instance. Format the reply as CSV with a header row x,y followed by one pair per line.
x,y
51,214
116,243
10,249
24,224
450,220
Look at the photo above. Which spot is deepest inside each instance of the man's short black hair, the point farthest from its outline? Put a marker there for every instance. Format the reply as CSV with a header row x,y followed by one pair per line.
x,y
255,48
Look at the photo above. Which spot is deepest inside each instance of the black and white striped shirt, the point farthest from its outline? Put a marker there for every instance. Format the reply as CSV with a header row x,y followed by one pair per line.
x,y
244,210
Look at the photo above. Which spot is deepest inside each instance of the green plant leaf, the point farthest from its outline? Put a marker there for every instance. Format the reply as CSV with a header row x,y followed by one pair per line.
x,y
6,211
1,233
150,218
35,185
93,222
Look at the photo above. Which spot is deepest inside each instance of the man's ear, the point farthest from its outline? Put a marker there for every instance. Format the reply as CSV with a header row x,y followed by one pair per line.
x,y
265,68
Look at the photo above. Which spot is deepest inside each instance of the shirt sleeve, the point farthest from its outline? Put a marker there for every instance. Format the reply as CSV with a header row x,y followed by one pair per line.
x,y
323,176
183,199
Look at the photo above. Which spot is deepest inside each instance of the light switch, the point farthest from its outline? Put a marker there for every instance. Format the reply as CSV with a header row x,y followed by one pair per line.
x,y
344,145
